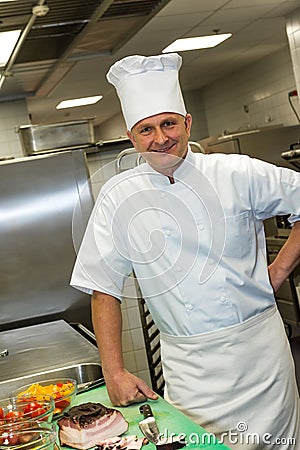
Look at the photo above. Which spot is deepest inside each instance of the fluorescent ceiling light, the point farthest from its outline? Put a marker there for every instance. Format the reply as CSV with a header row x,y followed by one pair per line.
x,y
196,43
79,102
8,40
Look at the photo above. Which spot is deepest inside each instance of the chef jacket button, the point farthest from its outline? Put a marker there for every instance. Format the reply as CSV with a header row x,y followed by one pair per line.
x,y
179,269
189,307
201,227
210,261
168,232
223,299
162,195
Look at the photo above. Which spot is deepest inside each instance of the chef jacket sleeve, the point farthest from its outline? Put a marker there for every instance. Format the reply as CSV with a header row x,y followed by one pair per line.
x,y
101,263
275,190
293,218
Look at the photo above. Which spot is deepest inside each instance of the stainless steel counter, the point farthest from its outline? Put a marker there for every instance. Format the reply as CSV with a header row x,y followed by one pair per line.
x,y
36,351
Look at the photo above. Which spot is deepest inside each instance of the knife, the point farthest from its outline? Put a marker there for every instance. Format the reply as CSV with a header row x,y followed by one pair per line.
x,y
150,429
148,426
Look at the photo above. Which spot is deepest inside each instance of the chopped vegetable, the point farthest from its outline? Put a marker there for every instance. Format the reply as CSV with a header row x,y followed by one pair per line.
x,y
61,392
34,409
56,391
13,416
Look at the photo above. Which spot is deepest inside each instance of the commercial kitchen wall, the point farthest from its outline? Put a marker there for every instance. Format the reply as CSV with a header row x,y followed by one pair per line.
x,y
293,33
12,115
254,97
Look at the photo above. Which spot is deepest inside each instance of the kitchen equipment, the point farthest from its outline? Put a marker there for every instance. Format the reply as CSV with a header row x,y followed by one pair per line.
x,y
56,136
44,351
88,385
45,324
150,430
148,426
45,204
293,155
266,143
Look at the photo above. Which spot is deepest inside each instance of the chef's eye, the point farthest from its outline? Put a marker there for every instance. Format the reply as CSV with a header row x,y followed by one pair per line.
x,y
146,130
168,124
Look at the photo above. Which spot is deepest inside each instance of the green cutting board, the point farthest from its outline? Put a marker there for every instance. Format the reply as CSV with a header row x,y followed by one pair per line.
x,y
170,421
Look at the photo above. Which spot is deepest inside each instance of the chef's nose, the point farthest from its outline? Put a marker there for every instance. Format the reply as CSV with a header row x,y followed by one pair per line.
x,y
160,136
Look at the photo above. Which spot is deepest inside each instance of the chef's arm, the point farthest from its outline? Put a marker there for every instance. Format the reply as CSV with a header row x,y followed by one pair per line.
x,y
123,387
287,259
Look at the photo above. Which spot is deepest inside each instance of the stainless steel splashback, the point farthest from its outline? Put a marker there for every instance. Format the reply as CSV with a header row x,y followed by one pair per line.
x,y
40,197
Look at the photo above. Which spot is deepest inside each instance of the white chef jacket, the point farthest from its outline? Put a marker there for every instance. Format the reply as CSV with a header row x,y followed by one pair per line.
x,y
197,246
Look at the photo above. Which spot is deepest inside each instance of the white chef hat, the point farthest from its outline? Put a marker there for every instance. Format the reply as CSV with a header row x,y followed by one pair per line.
x,y
147,86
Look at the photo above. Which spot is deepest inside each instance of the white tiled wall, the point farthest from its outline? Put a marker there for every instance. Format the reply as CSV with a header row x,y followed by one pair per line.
x,y
195,105
293,32
261,88
102,167
12,115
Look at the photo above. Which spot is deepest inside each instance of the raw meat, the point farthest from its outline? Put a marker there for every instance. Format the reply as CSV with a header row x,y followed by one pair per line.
x,y
85,425
122,443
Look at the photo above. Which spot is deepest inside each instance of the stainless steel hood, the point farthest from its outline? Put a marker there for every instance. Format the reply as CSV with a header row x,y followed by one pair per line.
x,y
56,34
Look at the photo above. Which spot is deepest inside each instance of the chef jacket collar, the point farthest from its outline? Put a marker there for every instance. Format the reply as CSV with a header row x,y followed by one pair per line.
x,y
181,173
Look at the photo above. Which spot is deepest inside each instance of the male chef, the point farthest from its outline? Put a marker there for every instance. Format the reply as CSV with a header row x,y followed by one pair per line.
x,y
190,226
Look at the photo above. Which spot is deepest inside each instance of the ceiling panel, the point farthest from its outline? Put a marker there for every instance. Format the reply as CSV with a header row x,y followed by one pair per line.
x,y
251,3
192,6
176,22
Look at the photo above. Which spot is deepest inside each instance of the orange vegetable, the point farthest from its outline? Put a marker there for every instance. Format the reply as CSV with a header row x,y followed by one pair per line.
x,y
57,390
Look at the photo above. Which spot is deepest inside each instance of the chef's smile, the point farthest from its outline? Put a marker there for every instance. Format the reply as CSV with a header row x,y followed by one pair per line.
x,y
163,140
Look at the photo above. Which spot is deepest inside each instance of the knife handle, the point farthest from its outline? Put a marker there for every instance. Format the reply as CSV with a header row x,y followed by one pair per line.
x,y
146,410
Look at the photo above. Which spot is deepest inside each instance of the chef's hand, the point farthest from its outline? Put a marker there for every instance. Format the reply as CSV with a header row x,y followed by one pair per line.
x,y
125,388
287,259
276,276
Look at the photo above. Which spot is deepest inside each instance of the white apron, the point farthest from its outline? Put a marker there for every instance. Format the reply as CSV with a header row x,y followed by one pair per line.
x,y
240,378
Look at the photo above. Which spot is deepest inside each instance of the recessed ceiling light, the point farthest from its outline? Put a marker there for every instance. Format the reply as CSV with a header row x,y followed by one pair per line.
x,y
8,41
79,102
196,43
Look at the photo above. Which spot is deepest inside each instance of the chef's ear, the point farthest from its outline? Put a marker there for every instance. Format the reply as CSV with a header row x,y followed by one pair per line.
x,y
130,136
188,122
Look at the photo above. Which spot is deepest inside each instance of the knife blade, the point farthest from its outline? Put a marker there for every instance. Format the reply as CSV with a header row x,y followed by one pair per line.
x,y
149,428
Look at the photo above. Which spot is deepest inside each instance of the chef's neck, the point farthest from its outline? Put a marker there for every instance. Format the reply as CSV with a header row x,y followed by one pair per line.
x,y
169,171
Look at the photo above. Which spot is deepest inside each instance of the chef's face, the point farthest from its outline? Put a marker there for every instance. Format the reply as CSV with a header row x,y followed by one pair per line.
x,y
163,140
